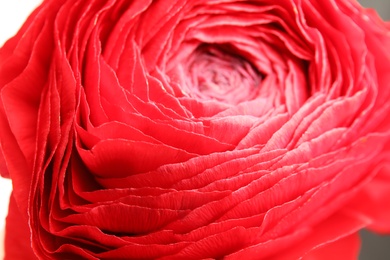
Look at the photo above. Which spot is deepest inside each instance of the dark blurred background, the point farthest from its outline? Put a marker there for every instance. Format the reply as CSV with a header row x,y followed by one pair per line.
x,y
383,8
376,247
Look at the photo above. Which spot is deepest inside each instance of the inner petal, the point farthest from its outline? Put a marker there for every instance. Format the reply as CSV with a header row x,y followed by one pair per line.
x,y
217,72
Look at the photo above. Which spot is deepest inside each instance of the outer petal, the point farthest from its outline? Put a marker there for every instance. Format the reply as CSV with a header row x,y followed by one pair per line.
x,y
342,249
17,239
337,233
373,201
116,157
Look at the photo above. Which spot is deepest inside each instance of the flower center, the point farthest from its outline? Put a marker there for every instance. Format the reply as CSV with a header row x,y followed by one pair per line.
x,y
215,72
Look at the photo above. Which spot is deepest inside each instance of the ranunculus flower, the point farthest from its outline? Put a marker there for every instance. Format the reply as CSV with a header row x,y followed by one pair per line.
x,y
178,129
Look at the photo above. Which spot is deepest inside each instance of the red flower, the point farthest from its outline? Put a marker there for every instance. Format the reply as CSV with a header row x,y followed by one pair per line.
x,y
195,129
